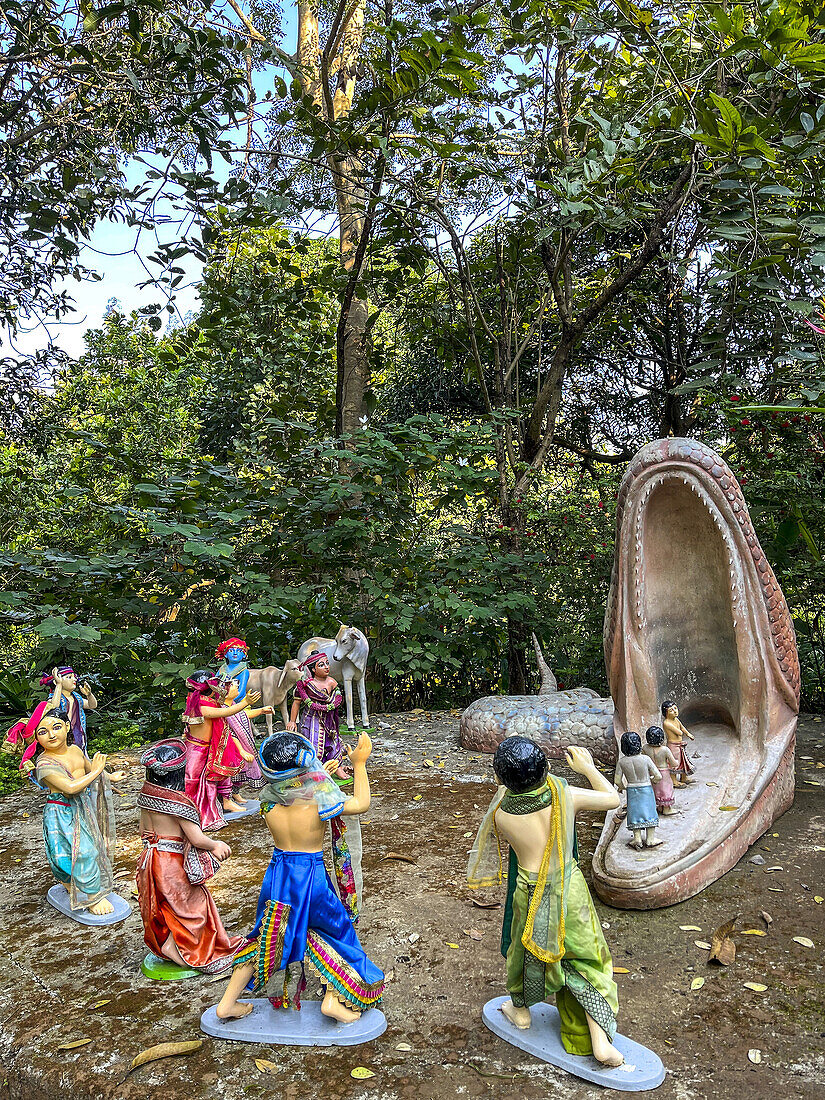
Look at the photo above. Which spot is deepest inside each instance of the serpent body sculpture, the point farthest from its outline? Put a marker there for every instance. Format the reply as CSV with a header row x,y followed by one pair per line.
x,y
554,719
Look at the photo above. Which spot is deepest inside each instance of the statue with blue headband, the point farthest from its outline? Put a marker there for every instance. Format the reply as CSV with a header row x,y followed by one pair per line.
x,y
301,918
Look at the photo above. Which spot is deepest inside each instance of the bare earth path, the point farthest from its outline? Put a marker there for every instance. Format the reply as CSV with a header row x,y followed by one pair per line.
x,y
420,924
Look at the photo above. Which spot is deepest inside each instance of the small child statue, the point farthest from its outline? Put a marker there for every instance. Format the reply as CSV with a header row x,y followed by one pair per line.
x,y
300,917
675,733
664,760
554,942
78,818
634,772
180,919
241,727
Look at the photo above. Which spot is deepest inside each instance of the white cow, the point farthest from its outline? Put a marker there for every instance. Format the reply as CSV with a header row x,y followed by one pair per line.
x,y
274,684
348,652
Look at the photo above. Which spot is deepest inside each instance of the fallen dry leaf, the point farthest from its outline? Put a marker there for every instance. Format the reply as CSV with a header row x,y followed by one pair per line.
x,y
397,855
417,797
620,970
755,1056
776,890
74,1044
165,1050
770,870
753,932
697,983
429,763
818,899
690,927
473,933
479,904
757,987
361,1073
803,940
722,947
703,944
100,1004
403,1046
455,945
267,1067
726,808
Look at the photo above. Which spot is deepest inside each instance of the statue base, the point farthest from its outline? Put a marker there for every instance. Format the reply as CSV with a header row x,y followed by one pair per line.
x,y
164,970
58,896
252,807
642,1069
308,1027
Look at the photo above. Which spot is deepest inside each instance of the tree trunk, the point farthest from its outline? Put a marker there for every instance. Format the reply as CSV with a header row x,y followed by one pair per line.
x,y
354,370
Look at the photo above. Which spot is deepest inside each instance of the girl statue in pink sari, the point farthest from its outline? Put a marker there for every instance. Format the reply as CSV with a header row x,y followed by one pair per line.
x,y
214,754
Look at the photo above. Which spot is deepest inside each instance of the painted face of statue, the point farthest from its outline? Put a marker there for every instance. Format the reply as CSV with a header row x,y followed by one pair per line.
x,y
52,733
68,681
321,667
231,693
235,654
672,711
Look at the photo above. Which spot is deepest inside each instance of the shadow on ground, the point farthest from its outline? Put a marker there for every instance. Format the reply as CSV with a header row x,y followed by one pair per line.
x,y
63,982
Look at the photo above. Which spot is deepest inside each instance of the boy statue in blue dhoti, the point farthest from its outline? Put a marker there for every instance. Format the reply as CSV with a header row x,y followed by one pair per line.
x,y
300,917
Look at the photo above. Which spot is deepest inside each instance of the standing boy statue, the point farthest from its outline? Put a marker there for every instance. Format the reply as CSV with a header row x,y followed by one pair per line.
x,y
636,773
552,937
300,917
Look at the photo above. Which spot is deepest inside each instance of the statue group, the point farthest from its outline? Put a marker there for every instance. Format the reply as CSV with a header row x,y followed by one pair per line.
x,y
658,648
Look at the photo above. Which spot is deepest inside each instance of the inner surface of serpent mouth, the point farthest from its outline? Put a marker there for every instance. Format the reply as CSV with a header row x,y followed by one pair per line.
x,y
686,602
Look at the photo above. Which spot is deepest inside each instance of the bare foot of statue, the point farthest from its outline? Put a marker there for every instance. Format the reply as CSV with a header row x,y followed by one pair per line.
x,y
231,807
603,1049
102,908
678,783
170,952
342,773
668,811
689,779
242,801
331,1006
518,1015
235,1011
653,843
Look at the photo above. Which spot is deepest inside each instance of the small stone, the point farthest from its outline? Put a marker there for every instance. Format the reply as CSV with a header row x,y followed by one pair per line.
x,y
757,859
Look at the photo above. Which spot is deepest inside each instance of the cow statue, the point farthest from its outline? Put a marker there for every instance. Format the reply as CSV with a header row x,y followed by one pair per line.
x,y
348,652
274,684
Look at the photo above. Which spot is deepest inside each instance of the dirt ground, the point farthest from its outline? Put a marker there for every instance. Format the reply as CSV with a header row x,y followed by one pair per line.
x,y
63,982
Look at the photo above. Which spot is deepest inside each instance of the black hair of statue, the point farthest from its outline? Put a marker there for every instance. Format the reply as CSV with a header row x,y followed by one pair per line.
x,y
631,743
520,764
170,781
655,735
280,752
201,677
668,703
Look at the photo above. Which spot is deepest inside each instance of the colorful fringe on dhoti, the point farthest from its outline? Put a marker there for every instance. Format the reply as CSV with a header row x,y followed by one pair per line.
x,y
301,917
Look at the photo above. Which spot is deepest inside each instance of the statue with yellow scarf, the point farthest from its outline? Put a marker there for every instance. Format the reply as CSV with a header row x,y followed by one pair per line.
x,y
551,937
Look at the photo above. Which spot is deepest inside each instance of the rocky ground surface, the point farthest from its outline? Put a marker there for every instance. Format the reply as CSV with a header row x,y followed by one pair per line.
x,y
63,982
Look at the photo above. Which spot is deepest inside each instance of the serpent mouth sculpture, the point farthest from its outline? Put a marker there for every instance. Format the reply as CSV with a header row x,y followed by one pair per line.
x,y
695,615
